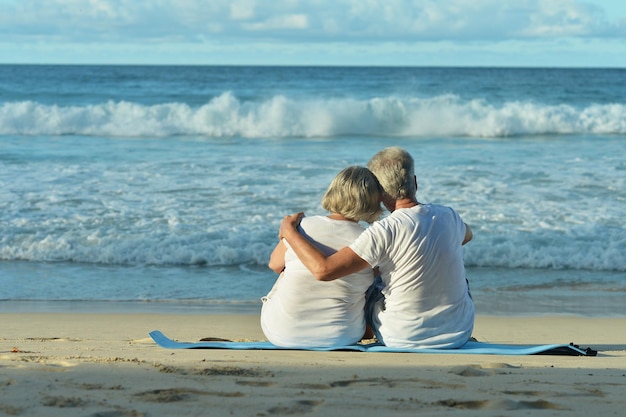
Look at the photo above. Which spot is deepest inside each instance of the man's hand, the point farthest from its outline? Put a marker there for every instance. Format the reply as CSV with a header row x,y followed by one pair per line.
x,y
289,225
342,263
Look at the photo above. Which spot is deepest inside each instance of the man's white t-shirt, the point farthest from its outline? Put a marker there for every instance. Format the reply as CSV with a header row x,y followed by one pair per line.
x,y
301,311
420,256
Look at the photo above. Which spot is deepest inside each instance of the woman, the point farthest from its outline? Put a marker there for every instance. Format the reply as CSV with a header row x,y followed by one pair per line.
x,y
300,311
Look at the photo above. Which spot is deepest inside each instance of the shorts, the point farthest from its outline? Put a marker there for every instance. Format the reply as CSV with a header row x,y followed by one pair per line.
x,y
374,302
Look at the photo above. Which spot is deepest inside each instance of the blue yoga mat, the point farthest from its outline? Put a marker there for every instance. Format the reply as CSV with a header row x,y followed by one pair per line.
x,y
468,348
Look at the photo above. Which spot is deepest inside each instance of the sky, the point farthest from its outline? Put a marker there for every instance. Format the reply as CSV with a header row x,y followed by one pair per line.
x,y
527,33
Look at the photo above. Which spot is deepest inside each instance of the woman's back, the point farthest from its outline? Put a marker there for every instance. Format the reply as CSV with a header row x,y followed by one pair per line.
x,y
301,311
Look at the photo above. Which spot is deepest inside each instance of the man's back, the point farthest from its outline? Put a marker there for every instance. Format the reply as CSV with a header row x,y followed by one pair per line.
x,y
419,253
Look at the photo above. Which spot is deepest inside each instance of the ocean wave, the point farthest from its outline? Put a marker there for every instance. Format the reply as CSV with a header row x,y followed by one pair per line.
x,y
284,117
151,250
254,249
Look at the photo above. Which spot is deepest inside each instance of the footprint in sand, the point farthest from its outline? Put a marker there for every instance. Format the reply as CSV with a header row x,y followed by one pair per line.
x,y
170,395
500,405
366,382
118,413
313,386
485,370
217,371
63,402
255,383
391,383
53,339
10,410
300,407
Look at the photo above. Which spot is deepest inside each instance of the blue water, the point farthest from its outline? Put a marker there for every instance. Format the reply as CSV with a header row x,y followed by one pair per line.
x,y
154,187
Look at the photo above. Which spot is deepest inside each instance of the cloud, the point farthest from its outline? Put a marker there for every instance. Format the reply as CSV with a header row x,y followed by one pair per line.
x,y
293,21
559,19
84,21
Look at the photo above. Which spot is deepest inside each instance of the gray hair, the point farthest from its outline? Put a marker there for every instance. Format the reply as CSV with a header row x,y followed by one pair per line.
x,y
395,169
354,193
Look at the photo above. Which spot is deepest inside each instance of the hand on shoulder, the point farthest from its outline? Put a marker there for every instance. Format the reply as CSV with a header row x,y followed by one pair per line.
x,y
290,224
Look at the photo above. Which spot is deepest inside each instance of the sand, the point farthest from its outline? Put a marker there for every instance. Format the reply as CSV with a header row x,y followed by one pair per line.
x,y
100,364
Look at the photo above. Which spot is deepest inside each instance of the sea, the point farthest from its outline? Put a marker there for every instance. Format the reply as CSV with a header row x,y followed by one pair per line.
x,y
161,188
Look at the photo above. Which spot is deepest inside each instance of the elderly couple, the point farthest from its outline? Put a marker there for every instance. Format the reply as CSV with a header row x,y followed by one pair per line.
x,y
402,279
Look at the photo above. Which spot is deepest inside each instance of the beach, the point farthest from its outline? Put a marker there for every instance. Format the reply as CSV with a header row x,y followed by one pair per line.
x,y
105,364
139,198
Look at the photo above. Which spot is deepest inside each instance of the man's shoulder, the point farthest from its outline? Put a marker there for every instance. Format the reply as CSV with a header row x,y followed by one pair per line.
x,y
438,208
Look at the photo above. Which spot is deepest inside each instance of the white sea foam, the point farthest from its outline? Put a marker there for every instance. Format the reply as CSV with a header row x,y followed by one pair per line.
x,y
282,117
518,250
193,205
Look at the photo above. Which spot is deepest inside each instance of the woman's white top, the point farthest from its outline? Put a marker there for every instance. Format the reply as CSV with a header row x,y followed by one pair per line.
x,y
301,311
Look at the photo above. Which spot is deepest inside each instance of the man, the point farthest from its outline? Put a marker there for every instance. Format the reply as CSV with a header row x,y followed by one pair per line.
x,y
423,297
